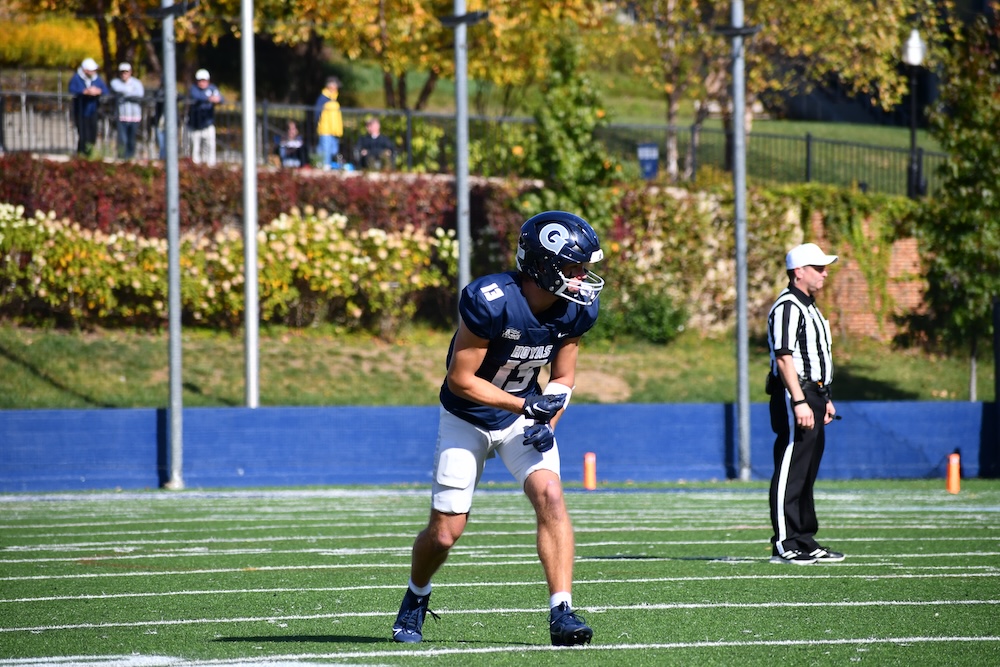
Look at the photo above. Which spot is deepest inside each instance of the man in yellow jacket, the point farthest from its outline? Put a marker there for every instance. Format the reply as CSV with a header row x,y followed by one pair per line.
x,y
330,123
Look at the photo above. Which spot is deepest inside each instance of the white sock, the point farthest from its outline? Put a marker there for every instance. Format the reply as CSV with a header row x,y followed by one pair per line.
x,y
557,599
420,591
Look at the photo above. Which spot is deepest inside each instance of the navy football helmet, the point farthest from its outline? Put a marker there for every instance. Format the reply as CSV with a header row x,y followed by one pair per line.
x,y
551,240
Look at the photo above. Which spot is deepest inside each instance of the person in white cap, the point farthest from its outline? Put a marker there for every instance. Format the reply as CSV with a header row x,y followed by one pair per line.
x,y
801,406
86,87
202,99
129,92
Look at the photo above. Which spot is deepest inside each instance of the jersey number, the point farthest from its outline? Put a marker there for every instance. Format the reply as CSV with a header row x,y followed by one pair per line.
x,y
516,375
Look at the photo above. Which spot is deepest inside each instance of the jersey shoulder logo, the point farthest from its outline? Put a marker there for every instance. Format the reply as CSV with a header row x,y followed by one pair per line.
x,y
492,292
511,334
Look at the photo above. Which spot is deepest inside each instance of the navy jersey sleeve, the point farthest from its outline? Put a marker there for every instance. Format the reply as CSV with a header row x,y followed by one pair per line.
x,y
481,307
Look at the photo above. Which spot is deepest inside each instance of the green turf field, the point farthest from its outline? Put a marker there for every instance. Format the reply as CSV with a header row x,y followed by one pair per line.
x,y
672,575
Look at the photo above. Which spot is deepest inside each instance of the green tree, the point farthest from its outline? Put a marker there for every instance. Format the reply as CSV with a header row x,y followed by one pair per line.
x,y
959,229
565,153
853,43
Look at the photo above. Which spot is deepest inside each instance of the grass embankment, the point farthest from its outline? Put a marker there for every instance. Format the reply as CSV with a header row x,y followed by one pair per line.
x,y
55,369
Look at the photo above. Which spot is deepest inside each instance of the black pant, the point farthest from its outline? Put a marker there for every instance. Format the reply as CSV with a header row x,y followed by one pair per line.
x,y
797,453
86,127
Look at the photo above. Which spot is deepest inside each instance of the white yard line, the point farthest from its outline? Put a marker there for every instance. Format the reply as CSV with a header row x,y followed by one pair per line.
x,y
300,659
514,560
464,612
937,574
123,550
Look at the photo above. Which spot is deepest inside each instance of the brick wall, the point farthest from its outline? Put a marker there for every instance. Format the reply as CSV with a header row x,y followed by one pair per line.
x,y
852,307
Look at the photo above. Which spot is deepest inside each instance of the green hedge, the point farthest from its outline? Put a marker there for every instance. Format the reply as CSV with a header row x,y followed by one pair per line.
x,y
669,251
312,267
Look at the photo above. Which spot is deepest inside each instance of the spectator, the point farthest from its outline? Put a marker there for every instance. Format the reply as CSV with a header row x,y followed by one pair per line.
x,y
329,123
202,99
160,120
291,149
375,150
86,87
129,92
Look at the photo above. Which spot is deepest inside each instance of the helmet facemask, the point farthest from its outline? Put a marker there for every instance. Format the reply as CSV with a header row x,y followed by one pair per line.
x,y
582,289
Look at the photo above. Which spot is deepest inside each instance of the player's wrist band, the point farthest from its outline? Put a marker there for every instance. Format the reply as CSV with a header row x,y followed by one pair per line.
x,y
797,403
559,388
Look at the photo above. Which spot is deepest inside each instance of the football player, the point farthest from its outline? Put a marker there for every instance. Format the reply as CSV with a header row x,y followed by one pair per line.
x,y
511,325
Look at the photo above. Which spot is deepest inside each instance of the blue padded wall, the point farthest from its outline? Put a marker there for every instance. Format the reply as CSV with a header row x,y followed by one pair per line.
x,y
55,450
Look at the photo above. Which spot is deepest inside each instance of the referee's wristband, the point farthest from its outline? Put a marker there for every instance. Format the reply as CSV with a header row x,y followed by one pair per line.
x,y
797,403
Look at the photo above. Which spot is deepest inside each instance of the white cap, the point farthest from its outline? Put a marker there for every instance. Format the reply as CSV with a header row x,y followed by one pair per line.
x,y
124,67
202,75
807,254
89,64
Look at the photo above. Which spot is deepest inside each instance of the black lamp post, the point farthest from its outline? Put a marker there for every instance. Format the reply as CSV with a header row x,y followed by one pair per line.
x,y
913,56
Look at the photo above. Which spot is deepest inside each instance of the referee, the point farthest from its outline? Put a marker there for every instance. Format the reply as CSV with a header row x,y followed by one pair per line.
x,y
801,405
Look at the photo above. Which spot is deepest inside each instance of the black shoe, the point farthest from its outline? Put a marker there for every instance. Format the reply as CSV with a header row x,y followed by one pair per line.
x,y
824,555
409,623
566,628
793,557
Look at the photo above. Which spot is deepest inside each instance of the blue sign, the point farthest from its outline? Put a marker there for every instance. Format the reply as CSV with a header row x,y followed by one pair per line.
x,y
649,160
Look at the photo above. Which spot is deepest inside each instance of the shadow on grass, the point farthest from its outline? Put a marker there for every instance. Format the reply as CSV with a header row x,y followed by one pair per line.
x,y
192,388
343,639
306,639
851,380
55,383
851,384
729,559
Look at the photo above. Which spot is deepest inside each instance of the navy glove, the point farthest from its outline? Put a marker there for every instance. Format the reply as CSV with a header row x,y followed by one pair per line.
x,y
540,436
543,408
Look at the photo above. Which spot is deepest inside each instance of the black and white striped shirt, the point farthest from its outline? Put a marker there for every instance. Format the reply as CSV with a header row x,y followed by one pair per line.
x,y
796,327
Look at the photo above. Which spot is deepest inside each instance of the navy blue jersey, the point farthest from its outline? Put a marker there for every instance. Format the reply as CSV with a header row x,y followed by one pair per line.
x,y
521,343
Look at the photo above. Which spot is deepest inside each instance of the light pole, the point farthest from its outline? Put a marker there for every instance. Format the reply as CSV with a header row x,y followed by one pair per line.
x,y
913,56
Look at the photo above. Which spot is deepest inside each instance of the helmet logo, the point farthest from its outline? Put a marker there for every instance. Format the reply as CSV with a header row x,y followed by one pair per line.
x,y
554,237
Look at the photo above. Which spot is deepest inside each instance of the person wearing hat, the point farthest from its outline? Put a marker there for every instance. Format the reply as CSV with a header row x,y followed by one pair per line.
x,y
202,98
329,122
801,406
129,92
86,87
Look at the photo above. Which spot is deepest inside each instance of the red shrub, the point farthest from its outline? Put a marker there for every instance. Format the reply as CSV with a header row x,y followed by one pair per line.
x,y
131,197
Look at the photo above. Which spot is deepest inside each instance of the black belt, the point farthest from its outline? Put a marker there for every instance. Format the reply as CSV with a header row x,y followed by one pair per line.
x,y
818,387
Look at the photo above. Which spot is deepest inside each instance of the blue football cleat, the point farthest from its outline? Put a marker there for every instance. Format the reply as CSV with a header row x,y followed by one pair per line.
x,y
566,628
409,624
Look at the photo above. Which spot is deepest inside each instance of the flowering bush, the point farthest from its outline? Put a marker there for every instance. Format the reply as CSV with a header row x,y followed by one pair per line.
x,y
312,267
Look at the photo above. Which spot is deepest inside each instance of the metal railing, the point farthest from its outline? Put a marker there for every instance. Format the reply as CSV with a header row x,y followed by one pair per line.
x,y
42,123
